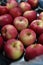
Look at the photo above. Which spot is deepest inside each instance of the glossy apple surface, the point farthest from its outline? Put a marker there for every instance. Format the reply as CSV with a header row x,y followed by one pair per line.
x,y
25,6
14,49
20,23
9,32
27,36
5,19
37,26
30,15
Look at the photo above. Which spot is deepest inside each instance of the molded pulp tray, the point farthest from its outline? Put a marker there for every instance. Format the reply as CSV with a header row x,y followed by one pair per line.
x,y
5,61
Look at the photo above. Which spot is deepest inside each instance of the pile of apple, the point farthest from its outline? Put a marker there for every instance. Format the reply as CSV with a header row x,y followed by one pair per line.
x,y
21,30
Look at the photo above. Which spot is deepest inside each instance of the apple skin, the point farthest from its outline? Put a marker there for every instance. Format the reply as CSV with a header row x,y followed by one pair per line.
x,y
39,49
9,32
25,6
14,49
40,39
27,36
15,12
30,15
5,19
37,26
11,4
3,10
41,16
33,3
30,53
1,42
33,51
20,23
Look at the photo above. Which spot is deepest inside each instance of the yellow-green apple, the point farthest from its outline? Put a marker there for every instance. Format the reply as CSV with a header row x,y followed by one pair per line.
x,y
3,10
27,36
33,3
41,16
25,6
37,26
33,51
5,19
9,32
1,42
11,4
30,15
14,49
40,39
16,12
20,23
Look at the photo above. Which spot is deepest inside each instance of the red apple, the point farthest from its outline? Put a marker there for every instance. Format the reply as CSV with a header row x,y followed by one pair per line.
x,y
3,10
11,4
41,16
40,39
30,15
16,12
39,49
6,19
33,51
1,42
14,49
25,6
37,26
30,52
33,3
9,32
27,36
20,23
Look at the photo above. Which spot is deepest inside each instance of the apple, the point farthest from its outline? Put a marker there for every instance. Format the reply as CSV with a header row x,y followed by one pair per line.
x,y
14,49
33,3
3,10
30,15
15,12
37,26
41,16
9,32
1,42
20,23
5,19
11,4
27,36
40,39
39,49
33,51
30,53
25,6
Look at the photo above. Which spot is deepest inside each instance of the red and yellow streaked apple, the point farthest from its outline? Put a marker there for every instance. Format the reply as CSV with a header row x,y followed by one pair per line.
x,y
33,51
37,26
20,23
25,6
14,49
30,15
27,36
9,32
